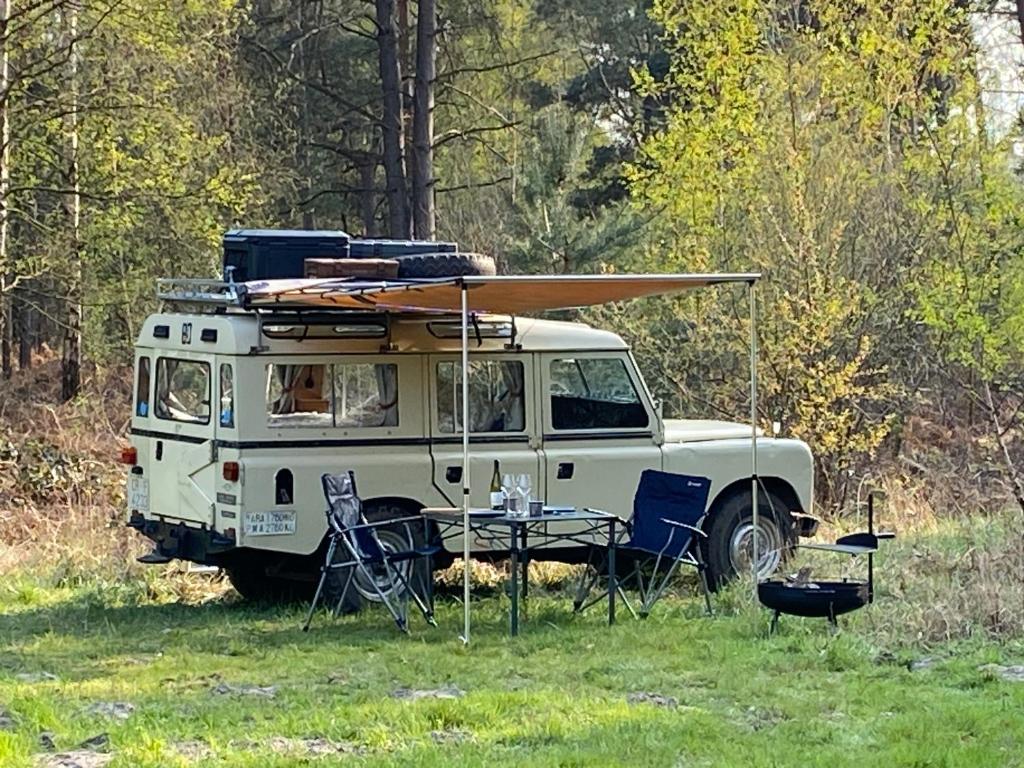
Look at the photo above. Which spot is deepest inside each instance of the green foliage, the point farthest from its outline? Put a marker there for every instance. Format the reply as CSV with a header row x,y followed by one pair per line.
x,y
836,149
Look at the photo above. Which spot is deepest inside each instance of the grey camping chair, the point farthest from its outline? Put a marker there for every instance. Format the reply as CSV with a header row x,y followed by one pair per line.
x,y
664,533
363,554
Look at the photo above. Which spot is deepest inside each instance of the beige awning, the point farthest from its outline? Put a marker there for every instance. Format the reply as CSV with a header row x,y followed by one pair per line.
x,y
503,294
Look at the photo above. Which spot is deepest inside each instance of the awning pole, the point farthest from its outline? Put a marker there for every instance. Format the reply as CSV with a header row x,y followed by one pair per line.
x,y
753,436
465,462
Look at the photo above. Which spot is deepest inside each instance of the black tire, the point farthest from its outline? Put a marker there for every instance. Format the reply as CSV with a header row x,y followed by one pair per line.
x,y
394,537
731,519
335,595
446,265
251,580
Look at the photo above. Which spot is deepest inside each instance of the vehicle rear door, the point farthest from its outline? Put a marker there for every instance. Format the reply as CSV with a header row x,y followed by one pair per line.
x,y
182,460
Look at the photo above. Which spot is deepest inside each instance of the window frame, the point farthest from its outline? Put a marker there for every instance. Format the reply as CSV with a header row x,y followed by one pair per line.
x,y
403,381
435,395
627,362
209,390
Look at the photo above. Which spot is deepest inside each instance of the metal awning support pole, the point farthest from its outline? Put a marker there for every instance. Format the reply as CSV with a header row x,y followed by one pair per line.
x,y
755,533
465,462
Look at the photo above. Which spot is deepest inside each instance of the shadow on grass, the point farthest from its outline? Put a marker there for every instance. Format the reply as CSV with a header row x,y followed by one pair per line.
x,y
208,626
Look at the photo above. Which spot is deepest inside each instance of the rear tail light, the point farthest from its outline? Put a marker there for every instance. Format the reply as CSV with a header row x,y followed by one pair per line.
x,y
231,471
130,456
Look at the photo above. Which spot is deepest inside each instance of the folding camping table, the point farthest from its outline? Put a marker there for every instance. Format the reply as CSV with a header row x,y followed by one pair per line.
x,y
545,530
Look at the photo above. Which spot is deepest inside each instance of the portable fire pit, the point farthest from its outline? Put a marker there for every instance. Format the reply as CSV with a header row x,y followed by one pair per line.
x,y
828,599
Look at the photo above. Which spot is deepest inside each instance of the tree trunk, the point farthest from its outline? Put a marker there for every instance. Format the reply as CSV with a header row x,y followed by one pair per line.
x,y
423,121
406,65
71,352
26,334
367,195
305,126
6,318
391,121
1020,18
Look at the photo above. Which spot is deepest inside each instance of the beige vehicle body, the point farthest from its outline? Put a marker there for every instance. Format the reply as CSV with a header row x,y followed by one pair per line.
x,y
247,415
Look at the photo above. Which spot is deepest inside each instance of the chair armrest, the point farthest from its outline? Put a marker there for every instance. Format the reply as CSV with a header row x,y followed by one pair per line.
x,y
677,524
391,521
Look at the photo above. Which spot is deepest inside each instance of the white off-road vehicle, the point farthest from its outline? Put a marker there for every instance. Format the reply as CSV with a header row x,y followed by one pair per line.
x,y
238,412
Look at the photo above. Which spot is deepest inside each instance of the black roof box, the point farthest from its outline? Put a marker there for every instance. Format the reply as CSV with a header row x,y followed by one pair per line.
x,y
265,254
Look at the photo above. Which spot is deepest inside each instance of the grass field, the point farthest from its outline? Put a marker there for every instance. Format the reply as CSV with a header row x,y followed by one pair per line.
x,y
223,683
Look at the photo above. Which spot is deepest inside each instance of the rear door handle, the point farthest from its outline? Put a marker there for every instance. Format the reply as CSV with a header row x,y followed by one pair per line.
x,y
453,474
565,470
159,450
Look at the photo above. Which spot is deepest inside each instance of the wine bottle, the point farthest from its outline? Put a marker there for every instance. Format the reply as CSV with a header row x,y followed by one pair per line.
x,y
497,495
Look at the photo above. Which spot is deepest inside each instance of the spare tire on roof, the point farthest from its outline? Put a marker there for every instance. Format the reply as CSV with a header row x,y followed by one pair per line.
x,y
446,265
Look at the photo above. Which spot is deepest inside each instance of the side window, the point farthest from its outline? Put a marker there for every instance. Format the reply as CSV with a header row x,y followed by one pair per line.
x,y
345,395
183,391
594,393
142,388
365,395
496,402
298,396
227,396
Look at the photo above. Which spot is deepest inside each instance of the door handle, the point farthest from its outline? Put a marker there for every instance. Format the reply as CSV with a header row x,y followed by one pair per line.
x,y
159,450
453,474
565,470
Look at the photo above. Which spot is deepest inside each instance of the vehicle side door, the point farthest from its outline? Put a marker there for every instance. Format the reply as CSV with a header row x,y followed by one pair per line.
x,y
599,430
502,426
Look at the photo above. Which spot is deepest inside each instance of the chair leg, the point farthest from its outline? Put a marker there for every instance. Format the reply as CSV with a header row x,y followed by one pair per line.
x,y
320,587
428,591
344,591
393,610
702,574
424,609
655,592
626,602
587,581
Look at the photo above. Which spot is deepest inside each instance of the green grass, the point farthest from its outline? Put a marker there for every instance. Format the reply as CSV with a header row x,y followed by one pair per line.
x,y
557,695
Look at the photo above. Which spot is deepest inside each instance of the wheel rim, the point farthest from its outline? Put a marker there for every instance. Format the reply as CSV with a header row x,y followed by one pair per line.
x,y
769,547
390,542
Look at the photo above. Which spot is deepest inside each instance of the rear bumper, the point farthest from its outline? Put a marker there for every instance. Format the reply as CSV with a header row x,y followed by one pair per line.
x,y
177,540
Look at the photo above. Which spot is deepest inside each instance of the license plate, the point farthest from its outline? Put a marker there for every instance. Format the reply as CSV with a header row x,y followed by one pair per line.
x,y
269,523
138,493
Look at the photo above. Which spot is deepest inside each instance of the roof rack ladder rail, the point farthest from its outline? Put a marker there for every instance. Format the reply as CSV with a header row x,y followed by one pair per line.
x,y
198,291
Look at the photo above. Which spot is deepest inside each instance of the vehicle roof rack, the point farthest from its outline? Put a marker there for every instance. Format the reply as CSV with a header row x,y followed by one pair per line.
x,y
213,293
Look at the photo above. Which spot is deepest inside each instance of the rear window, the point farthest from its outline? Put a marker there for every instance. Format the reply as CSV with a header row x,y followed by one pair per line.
x,y
182,391
142,388
356,395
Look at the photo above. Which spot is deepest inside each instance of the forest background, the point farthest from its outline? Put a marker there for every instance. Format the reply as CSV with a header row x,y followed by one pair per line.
x,y
864,155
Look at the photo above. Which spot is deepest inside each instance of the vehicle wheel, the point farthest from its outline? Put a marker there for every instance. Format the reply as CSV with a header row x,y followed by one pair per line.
x,y
445,265
393,538
251,581
728,547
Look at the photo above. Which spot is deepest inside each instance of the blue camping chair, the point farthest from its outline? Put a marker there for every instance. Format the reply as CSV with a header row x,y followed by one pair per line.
x,y
668,512
362,553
